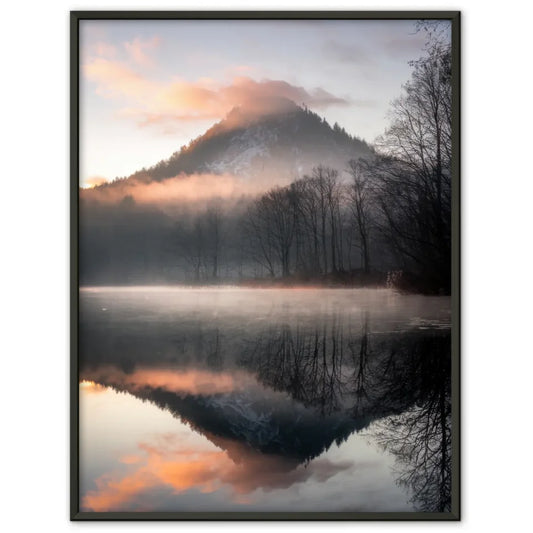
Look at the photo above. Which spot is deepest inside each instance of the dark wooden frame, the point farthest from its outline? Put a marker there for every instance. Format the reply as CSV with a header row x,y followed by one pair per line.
x,y
75,18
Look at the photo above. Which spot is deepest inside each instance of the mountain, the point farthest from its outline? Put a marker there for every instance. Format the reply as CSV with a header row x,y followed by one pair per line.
x,y
157,225
279,146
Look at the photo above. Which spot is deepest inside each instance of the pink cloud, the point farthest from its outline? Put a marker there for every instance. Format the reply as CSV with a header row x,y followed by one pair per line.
x,y
198,190
115,80
104,49
138,50
151,102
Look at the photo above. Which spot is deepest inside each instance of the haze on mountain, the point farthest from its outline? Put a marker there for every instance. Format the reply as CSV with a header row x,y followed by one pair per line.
x,y
135,227
271,143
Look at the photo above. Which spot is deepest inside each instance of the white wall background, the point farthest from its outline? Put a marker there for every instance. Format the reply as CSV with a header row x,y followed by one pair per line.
x,y
497,260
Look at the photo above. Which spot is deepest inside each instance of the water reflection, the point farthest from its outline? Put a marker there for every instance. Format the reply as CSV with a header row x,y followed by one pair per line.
x,y
269,395
420,437
166,463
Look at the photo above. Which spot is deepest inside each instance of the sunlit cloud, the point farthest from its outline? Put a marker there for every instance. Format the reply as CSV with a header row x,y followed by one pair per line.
x,y
139,50
179,189
93,181
104,49
116,80
266,94
130,459
152,102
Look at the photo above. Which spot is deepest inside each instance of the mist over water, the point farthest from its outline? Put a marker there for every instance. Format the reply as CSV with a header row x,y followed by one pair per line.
x,y
227,398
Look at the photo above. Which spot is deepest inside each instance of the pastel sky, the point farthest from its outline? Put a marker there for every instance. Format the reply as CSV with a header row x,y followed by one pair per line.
x,y
149,87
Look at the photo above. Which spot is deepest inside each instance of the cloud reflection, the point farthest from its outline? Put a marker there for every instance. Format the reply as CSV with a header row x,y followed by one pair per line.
x,y
164,464
181,382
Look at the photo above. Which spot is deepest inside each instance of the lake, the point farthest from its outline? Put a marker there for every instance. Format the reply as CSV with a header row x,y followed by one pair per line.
x,y
238,399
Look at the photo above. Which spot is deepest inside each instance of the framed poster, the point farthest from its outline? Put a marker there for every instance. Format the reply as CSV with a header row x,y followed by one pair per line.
x,y
265,265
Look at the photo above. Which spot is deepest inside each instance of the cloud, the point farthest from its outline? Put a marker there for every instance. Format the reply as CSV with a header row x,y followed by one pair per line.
x,y
94,181
182,189
104,49
322,98
116,80
138,50
152,102
267,95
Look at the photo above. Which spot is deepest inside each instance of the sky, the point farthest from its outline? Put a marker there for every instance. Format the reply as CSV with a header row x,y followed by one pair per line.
x,y
149,87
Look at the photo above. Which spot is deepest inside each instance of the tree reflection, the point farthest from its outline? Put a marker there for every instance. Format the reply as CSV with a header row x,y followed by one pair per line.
x,y
291,390
420,437
360,375
401,380
215,357
308,365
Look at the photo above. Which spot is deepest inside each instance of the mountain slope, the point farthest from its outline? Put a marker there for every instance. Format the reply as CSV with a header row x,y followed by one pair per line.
x,y
278,146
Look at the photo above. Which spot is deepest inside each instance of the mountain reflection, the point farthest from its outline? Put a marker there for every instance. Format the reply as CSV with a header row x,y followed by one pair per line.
x,y
278,397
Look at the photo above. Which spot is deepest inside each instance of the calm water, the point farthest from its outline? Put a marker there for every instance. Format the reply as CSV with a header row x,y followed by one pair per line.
x,y
233,399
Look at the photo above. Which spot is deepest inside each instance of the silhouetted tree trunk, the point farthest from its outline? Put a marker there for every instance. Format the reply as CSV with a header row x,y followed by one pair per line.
x,y
214,223
271,227
359,197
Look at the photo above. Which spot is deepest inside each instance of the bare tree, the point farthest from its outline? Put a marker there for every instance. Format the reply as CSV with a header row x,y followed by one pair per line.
x,y
318,181
415,175
192,245
332,190
214,235
325,200
258,237
359,199
280,204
